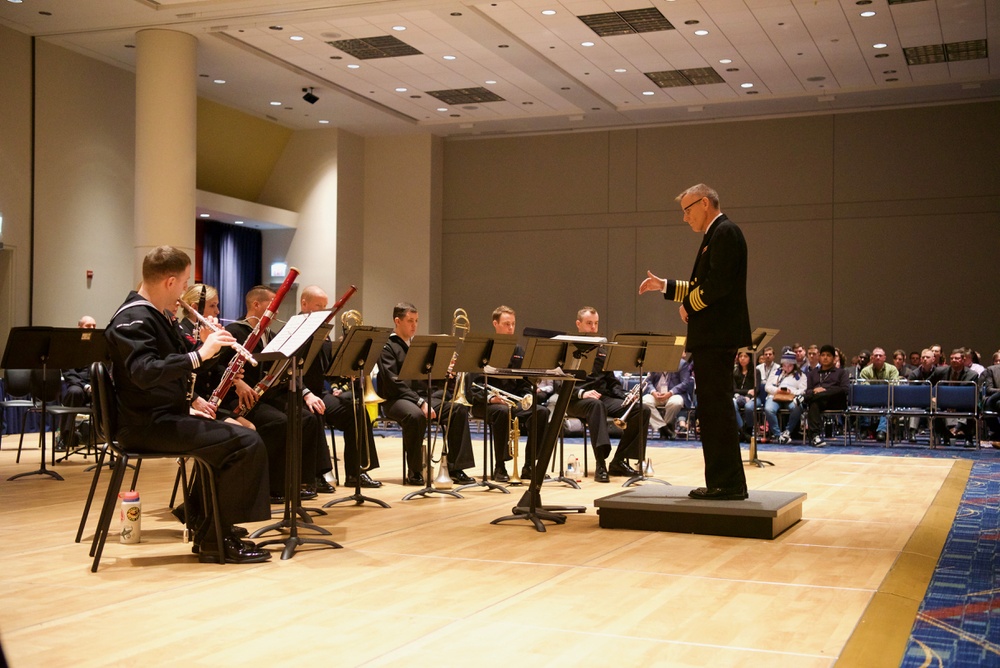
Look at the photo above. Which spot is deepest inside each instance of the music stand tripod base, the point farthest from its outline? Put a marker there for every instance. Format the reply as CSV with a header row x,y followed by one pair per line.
x,y
754,459
640,477
292,542
488,484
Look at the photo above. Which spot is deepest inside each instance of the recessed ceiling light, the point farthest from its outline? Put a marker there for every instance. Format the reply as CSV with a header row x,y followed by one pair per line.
x,y
238,222
621,70
323,122
203,215
400,90
868,14
880,45
448,57
489,82
746,85
296,38
275,104
648,92
586,44
276,27
726,61
219,81
442,108
701,33
548,12
15,2
399,28
353,66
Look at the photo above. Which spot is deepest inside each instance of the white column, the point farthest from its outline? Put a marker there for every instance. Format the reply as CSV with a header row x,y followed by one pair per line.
x,y
165,141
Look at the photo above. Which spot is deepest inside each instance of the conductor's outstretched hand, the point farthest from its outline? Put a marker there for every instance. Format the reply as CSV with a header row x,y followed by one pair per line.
x,y
651,282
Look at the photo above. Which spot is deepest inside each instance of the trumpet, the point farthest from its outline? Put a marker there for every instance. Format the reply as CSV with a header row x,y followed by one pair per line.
x,y
508,398
631,399
513,448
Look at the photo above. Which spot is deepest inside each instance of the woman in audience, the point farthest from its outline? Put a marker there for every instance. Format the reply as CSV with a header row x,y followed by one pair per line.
x,y
743,392
784,390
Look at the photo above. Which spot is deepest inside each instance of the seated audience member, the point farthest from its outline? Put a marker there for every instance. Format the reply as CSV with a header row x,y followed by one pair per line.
x,y
784,389
765,367
743,394
666,394
938,355
955,371
859,363
990,382
812,357
914,360
826,389
971,360
878,370
801,360
839,360
902,366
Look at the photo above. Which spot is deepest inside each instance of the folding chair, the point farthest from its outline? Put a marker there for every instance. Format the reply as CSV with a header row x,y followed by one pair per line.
x,y
868,399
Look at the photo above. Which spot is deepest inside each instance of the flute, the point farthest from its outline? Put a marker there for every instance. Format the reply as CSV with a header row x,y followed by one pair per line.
x,y
205,322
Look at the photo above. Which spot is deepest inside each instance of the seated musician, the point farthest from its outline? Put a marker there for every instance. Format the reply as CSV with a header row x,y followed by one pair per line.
x,y
75,392
496,411
193,297
411,403
268,414
599,397
338,408
151,365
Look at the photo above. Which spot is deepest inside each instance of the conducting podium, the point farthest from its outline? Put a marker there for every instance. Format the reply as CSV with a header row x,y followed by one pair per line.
x,y
637,353
428,358
354,359
47,350
477,352
759,339
303,329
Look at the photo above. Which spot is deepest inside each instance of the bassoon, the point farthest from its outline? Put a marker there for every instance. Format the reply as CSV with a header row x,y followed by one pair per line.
x,y
278,369
236,364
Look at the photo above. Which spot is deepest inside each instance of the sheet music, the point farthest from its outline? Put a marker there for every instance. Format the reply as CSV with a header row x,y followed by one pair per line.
x,y
296,331
594,340
527,373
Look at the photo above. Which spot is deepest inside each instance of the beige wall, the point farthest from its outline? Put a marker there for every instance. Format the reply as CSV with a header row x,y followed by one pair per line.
x,y
15,180
864,229
84,185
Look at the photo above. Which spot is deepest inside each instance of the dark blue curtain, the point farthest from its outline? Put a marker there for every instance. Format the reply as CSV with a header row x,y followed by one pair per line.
x,y
230,260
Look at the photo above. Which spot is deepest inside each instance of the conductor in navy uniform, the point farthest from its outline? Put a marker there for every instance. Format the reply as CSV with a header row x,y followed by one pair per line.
x,y
714,306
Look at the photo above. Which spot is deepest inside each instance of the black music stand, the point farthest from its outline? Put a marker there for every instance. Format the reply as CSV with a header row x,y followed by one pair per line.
x,y
478,351
636,352
428,357
300,329
530,506
55,347
760,336
354,359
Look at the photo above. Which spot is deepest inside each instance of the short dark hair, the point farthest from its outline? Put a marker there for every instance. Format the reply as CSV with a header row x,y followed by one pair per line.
x,y
402,308
258,293
164,261
828,349
500,310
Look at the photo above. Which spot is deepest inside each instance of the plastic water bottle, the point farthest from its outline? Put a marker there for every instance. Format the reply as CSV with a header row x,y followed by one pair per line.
x,y
131,517
571,467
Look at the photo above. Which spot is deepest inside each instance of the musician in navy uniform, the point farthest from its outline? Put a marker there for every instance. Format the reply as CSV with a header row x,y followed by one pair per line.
x,y
496,411
601,396
714,306
151,364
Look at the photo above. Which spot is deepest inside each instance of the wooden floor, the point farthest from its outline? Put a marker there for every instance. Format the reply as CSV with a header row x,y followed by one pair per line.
x,y
433,580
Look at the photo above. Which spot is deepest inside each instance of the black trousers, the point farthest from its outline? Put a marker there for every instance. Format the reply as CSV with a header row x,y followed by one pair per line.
x,y
818,403
412,421
271,422
341,414
498,417
236,454
720,440
73,396
596,413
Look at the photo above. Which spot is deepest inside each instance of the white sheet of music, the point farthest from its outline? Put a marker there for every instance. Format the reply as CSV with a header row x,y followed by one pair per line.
x,y
296,331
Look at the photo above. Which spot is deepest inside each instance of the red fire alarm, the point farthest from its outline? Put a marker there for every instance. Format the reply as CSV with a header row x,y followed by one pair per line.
x,y
90,273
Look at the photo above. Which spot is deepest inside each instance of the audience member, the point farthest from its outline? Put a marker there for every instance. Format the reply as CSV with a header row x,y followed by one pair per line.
x,y
826,389
784,390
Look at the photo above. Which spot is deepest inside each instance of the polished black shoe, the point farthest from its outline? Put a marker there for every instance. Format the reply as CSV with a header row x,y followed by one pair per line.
x,y
277,499
621,468
500,475
719,493
601,472
324,487
461,477
238,532
307,494
366,481
234,551
415,479
525,473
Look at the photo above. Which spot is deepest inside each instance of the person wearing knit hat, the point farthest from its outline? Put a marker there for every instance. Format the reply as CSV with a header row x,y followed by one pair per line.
x,y
784,391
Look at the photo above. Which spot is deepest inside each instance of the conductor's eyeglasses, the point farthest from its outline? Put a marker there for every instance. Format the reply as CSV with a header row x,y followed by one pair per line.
x,y
685,209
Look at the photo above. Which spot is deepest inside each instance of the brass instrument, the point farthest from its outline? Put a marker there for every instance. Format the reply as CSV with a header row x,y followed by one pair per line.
x,y
509,398
631,399
459,321
350,319
514,446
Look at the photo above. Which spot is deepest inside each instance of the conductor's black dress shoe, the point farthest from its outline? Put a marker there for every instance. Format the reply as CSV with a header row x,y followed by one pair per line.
x,y
234,551
719,493
366,481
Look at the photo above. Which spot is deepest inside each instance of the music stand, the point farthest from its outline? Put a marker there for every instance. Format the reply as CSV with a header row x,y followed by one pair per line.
x,y
636,352
354,359
760,336
428,357
478,351
530,506
55,347
301,329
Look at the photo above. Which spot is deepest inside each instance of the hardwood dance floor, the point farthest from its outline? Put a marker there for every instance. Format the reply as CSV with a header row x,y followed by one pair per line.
x,y
431,579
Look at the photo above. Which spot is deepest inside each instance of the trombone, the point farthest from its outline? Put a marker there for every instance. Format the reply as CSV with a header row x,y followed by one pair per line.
x,y
508,398
369,398
459,321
